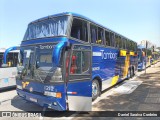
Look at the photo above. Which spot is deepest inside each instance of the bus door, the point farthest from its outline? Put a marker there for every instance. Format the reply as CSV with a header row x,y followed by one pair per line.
x,y
78,78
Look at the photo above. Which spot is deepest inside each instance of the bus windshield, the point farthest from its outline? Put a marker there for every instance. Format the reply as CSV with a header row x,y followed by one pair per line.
x,y
37,63
55,26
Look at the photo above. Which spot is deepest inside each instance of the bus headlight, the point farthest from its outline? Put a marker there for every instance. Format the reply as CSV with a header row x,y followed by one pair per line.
x,y
47,93
53,94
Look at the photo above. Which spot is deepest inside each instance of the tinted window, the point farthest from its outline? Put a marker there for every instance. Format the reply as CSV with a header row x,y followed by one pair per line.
x,y
79,30
124,43
128,44
56,26
131,45
100,39
136,47
12,59
116,41
112,39
108,43
93,31
120,42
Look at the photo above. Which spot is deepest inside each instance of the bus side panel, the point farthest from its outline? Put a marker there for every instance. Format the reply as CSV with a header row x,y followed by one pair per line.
x,y
79,95
104,62
8,77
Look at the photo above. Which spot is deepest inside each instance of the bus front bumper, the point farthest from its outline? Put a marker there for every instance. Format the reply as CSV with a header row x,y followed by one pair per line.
x,y
44,101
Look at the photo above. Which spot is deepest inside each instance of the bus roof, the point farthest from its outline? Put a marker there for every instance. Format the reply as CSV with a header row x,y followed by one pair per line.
x,y
80,16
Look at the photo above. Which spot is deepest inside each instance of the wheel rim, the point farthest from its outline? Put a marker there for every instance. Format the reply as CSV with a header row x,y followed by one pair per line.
x,y
94,89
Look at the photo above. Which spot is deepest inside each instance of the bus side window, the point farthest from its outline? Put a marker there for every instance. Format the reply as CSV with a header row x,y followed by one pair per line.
x,y
108,43
112,39
124,43
131,45
93,31
116,41
79,30
135,46
100,39
120,42
127,44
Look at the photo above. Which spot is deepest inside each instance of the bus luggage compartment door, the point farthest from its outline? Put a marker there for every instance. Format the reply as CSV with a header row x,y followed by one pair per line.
x,y
78,78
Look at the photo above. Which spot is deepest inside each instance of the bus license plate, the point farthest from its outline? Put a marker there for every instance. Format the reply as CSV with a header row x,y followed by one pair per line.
x,y
33,99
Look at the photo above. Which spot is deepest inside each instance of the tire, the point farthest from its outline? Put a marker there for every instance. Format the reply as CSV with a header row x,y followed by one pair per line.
x,y
95,89
133,73
129,74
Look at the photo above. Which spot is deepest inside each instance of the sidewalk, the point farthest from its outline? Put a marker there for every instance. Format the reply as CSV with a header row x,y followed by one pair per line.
x,y
146,97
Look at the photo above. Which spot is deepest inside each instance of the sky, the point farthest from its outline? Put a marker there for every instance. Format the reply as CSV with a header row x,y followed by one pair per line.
x,y
135,19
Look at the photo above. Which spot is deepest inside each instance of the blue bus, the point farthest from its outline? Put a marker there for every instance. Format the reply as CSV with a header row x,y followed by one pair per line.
x,y
68,59
144,59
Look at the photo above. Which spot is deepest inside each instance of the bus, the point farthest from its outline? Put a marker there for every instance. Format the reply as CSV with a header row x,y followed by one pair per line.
x,y
155,57
8,74
144,59
68,59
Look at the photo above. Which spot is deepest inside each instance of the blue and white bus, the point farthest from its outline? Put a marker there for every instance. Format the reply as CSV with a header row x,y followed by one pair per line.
x,y
8,74
144,60
69,59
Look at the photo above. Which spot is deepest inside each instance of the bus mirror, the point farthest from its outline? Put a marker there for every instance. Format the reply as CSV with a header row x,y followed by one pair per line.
x,y
4,65
28,53
20,69
56,55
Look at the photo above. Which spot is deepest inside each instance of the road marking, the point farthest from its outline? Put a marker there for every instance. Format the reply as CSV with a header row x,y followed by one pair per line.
x,y
127,87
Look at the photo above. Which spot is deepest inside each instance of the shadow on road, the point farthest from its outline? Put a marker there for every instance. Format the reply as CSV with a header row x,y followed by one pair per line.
x,y
145,98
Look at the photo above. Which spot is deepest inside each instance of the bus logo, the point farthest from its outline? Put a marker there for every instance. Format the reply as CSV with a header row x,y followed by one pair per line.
x,y
24,84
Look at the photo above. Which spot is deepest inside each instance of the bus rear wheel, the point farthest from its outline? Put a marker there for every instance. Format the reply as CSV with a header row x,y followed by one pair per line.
x,y
129,73
95,89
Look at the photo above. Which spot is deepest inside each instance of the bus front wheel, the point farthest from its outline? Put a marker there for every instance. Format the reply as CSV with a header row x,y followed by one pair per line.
x,y
95,89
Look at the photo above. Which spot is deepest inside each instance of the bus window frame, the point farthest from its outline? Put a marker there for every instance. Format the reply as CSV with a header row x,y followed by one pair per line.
x,y
112,34
69,31
70,59
97,26
120,42
109,38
